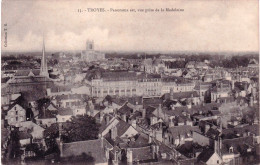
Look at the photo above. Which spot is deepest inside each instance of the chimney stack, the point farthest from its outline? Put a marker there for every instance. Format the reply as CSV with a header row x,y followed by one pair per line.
x,y
107,120
124,117
171,94
251,102
159,110
245,86
114,132
143,113
207,127
129,155
233,84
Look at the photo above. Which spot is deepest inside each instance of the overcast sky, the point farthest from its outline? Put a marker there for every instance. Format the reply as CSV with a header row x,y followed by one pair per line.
x,y
203,26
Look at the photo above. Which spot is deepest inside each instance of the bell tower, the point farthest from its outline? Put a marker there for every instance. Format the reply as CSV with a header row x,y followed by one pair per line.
x,y
44,69
90,45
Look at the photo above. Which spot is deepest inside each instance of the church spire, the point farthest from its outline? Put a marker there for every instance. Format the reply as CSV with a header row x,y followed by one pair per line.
x,y
44,70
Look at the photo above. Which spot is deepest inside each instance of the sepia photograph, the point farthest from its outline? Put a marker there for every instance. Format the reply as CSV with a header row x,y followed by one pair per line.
x,y
117,82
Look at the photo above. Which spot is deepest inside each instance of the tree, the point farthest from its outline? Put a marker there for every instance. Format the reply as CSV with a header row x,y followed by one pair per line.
x,y
81,128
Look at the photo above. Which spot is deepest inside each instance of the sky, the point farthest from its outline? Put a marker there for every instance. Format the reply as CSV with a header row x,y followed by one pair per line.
x,y
215,25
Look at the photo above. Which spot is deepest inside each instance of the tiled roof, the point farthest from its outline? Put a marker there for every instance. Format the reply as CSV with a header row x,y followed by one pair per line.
x,y
60,88
69,96
119,76
140,141
36,72
135,100
20,101
90,147
135,115
149,111
142,153
125,110
181,95
237,143
28,80
212,133
148,76
34,95
205,155
241,130
152,102
193,110
115,99
175,79
122,127
182,130
24,135
65,111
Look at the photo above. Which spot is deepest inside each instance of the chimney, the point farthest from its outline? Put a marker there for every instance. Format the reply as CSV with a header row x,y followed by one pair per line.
x,y
61,148
154,151
149,139
102,141
245,86
233,84
207,127
189,104
114,132
107,153
44,110
171,124
159,110
129,155
107,119
143,113
134,123
251,102
216,146
115,161
124,117
171,94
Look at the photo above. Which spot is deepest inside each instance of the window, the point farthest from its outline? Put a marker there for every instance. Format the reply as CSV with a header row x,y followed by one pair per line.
x,y
217,161
16,118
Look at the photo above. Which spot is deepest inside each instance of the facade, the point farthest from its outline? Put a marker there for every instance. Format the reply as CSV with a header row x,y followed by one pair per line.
x,y
150,85
16,114
220,91
115,83
176,85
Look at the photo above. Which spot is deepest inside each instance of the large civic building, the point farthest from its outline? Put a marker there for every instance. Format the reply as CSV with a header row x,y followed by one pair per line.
x,y
90,54
126,84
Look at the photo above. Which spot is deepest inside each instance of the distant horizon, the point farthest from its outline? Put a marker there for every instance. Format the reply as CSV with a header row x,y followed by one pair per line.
x,y
130,51
210,26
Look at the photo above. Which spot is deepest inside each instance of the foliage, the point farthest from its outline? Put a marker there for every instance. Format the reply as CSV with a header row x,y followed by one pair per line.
x,y
80,128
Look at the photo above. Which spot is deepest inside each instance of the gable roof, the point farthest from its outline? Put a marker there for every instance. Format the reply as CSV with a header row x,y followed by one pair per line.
x,y
21,102
35,72
93,148
205,155
125,110
182,130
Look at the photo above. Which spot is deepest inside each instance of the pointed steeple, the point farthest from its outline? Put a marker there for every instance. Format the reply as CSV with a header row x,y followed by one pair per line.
x,y
44,70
